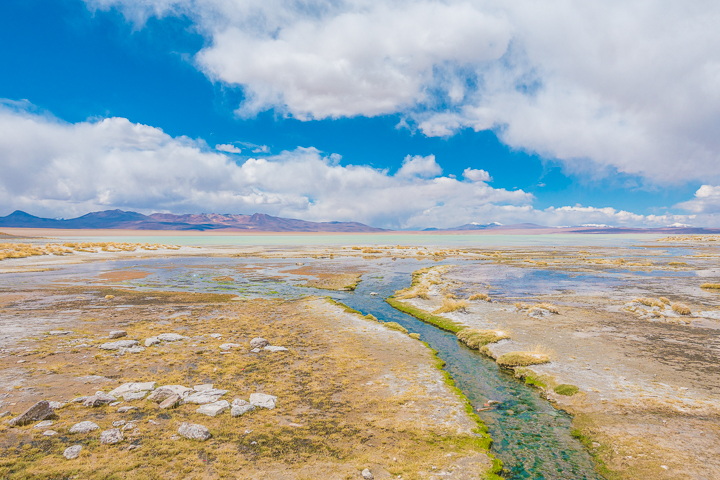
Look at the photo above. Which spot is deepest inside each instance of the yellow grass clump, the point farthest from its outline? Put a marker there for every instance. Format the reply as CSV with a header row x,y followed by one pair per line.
x,y
665,300
522,359
681,309
475,338
651,302
481,296
452,305
711,286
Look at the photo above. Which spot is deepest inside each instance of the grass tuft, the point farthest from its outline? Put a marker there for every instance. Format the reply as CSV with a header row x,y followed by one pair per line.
x,y
681,309
475,338
481,296
522,359
711,286
396,326
452,305
566,389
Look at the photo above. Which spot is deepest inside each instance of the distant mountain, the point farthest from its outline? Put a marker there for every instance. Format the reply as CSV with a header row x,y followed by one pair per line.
x,y
118,219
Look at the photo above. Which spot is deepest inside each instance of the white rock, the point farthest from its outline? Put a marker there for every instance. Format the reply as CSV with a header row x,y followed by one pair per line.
x,y
272,348
118,345
215,335
57,405
161,393
83,427
229,346
100,398
72,452
367,475
255,350
194,431
43,424
126,388
117,334
129,426
59,332
263,400
204,387
258,342
238,410
208,396
215,408
111,437
239,402
133,349
49,433
149,342
129,397
126,409
170,337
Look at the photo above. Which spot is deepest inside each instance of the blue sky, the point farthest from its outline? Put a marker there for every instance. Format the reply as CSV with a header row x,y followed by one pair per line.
x,y
72,62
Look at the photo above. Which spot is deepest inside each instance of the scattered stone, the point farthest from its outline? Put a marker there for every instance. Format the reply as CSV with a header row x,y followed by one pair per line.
x,y
215,335
118,423
133,349
166,391
170,337
100,398
117,334
115,404
57,405
194,431
239,402
229,346
272,348
207,396
78,400
40,411
174,437
255,350
118,345
171,402
367,475
5,414
126,409
263,400
204,387
111,437
149,342
72,452
21,361
215,408
83,427
258,343
129,397
59,332
153,422
49,433
126,388
238,410
44,423
129,426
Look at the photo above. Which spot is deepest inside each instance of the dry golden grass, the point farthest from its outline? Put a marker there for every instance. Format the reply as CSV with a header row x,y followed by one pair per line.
x,y
475,338
452,305
522,359
665,300
24,250
711,286
480,296
650,302
681,309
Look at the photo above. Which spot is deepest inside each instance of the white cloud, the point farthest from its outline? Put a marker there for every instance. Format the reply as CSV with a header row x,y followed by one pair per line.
x,y
707,200
475,175
629,86
227,148
418,166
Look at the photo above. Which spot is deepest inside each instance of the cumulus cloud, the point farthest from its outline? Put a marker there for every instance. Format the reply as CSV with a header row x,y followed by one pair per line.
x,y
475,175
707,200
629,86
227,148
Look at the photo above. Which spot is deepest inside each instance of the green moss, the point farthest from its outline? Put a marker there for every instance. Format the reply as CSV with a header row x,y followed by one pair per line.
x,y
344,307
475,338
440,322
396,326
521,359
567,390
531,378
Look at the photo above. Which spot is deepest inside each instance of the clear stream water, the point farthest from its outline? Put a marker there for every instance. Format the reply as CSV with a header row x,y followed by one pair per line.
x,y
531,437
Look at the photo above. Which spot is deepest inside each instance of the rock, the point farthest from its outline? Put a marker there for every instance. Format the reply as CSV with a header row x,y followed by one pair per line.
x,y
239,402
72,452
59,332
194,431
100,398
117,334
208,396
44,423
229,346
78,400
170,337
204,387
166,391
258,343
49,433
255,350
171,402
118,423
215,335
129,426
263,400
238,410
40,411
367,475
83,427
115,404
133,349
129,397
126,388
272,348
111,437
215,408
149,342
118,345
57,405
126,409
5,414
